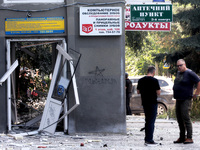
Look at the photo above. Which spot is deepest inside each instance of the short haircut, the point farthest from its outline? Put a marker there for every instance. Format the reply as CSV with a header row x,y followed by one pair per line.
x,y
151,69
182,60
126,75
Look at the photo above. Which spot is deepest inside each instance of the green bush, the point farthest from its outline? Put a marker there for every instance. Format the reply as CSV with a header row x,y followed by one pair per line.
x,y
163,116
195,110
171,113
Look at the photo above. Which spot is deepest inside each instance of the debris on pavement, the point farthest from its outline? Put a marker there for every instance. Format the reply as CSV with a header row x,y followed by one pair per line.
x,y
166,131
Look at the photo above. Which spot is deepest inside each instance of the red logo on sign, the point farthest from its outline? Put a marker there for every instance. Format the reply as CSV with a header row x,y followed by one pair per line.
x,y
87,28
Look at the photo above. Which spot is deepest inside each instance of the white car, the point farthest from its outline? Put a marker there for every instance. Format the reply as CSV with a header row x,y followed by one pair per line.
x,y
165,99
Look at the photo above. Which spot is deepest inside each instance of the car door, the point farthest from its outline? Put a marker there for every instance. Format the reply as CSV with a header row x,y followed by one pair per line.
x,y
135,101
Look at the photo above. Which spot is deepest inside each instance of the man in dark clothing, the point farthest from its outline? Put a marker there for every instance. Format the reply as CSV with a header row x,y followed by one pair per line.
x,y
183,93
149,88
128,94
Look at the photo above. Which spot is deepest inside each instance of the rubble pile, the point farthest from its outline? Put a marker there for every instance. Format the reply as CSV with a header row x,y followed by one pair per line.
x,y
166,131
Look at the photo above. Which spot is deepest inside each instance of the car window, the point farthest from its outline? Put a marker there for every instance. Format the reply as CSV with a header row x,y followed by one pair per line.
x,y
162,83
134,80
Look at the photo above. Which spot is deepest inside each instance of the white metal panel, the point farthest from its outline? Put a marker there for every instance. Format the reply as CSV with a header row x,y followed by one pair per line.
x,y
9,72
62,51
74,84
47,119
52,116
8,86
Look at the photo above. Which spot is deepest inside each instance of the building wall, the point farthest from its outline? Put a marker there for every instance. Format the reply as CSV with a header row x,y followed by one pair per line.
x,y
100,73
5,13
3,105
100,77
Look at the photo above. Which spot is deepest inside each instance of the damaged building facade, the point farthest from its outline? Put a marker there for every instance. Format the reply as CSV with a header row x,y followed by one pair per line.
x,y
88,37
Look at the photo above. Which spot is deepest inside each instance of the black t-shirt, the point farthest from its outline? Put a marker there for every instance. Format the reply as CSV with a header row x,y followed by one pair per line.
x,y
148,86
184,83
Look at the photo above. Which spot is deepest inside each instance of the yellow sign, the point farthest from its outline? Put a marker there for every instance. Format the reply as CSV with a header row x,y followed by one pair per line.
x,y
166,66
43,25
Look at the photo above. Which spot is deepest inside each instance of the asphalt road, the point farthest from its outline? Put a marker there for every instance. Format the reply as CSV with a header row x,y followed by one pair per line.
x,y
166,131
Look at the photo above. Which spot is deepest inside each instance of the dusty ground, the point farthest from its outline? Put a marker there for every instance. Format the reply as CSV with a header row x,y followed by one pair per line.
x,y
166,131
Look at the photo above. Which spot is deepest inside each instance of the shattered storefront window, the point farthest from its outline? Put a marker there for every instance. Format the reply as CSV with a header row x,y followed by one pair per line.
x,y
32,80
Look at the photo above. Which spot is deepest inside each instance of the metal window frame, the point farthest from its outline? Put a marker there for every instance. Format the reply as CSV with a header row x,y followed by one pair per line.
x,y
50,120
8,57
9,72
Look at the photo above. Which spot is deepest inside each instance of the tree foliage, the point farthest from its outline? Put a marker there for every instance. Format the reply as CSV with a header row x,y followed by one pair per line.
x,y
158,46
139,58
155,47
182,42
134,40
186,2
41,60
187,46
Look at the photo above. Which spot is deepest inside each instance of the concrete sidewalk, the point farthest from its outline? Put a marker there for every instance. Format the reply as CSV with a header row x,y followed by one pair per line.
x,y
166,131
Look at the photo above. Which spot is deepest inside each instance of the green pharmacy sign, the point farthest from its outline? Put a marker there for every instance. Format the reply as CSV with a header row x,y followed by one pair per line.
x,y
151,13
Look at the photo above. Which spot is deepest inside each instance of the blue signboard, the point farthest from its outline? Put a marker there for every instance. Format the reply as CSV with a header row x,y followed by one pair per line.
x,y
37,25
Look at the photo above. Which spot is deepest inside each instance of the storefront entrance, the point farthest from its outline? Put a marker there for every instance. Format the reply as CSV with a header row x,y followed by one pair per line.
x,y
28,87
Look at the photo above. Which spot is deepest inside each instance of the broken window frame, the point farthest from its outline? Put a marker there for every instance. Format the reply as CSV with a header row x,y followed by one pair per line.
x,y
8,57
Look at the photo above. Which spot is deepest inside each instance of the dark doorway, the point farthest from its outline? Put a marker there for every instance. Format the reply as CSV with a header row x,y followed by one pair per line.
x,y
31,80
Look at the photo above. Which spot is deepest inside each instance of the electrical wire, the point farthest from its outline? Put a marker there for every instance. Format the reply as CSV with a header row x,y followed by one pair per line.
x,y
62,6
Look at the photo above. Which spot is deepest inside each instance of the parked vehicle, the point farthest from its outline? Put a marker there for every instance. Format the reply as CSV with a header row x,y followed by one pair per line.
x,y
165,99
